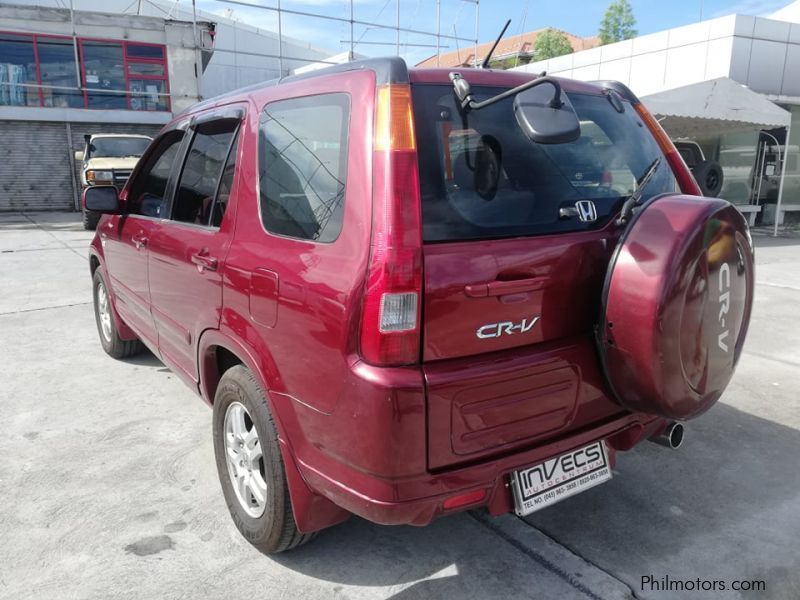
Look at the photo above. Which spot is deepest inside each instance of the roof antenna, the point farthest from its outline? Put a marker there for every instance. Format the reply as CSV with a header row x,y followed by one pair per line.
x,y
486,60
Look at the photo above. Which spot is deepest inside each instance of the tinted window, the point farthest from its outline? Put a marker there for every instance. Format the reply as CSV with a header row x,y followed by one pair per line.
x,y
147,195
302,151
202,171
481,177
225,185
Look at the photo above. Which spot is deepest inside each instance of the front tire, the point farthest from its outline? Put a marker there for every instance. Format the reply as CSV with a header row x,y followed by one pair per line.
x,y
250,466
90,220
113,345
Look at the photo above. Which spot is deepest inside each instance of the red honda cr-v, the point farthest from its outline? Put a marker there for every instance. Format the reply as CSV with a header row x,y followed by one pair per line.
x,y
412,292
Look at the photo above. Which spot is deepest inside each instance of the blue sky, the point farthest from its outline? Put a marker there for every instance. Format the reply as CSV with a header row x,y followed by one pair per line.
x,y
581,17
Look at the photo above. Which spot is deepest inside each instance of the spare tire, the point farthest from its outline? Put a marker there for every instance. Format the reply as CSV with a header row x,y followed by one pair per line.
x,y
709,177
676,305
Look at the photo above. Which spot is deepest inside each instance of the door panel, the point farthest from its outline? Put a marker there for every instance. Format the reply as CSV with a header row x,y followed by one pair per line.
x,y
186,296
126,239
188,254
125,242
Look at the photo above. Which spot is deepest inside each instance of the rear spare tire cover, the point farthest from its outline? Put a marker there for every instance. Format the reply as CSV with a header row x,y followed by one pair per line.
x,y
676,305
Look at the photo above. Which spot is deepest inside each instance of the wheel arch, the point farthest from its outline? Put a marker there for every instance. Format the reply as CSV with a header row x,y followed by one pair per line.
x,y
218,352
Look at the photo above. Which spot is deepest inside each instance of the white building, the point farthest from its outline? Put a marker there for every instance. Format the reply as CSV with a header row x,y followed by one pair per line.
x,y
721,82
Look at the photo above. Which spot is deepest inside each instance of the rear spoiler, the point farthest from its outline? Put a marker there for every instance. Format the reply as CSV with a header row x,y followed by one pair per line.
x,y
619,87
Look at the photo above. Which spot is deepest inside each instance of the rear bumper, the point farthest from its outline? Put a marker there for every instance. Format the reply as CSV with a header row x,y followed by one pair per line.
x,y
419,499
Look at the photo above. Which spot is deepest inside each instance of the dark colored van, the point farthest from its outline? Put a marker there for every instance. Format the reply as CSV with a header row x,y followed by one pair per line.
x,y
408,293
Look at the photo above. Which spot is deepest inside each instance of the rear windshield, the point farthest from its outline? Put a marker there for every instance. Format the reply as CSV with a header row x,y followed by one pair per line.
x,y
481,177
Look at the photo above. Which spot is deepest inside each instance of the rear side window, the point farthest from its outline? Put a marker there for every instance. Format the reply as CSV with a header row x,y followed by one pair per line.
x,y
200,186
481,177
148,190
302,161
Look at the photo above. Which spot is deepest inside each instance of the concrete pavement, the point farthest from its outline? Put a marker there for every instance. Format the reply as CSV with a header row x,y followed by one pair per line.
x,y
108,487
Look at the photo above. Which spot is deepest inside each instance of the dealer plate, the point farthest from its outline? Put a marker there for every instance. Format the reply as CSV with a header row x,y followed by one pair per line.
x,y
558,478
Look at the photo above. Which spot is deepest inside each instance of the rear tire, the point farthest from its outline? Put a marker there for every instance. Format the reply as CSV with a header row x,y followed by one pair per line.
x,y
90,220
250,466
106,328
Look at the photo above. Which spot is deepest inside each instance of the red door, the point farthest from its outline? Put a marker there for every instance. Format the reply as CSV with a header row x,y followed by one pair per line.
x,y
187,253
126,239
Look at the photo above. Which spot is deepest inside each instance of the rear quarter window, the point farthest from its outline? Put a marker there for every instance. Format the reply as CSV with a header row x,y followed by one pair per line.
x,y
481,177
302,160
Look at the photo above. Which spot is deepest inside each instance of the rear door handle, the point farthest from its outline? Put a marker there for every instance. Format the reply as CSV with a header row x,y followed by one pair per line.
x,y
204,261
139,240
503,288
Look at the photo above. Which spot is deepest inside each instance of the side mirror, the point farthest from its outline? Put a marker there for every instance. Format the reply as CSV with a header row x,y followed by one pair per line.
x,y
543,123
79,156
102,199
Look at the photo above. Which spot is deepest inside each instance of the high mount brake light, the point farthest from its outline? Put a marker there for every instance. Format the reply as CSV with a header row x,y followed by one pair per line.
x,y
686,180
390,328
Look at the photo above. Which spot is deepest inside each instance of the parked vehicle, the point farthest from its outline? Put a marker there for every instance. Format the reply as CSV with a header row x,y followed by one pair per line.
x,y
108,159
408,293
708,173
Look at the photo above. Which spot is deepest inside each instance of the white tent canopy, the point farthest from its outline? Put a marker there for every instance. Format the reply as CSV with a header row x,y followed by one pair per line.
x,y
713,107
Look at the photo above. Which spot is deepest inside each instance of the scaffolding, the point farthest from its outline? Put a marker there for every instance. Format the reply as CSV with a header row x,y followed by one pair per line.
x,y
436,38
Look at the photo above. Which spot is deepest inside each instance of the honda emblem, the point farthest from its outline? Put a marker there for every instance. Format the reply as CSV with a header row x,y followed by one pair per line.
x,y
586,211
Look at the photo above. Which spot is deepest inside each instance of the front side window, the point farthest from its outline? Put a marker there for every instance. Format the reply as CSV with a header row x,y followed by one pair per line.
x,y
200,180
481,177
302,158
147,195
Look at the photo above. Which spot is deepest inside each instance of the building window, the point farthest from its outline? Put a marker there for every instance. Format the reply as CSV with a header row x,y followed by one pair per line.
x,y
40,70
103,69
17,68
57,73
147,76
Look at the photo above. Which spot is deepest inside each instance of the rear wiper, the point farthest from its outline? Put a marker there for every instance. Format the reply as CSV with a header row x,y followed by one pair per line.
x,y
633,199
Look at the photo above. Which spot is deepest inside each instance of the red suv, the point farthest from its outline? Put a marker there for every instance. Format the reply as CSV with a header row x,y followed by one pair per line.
x,y
407,293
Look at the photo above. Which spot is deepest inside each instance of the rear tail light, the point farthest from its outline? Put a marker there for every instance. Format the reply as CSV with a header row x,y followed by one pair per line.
x,y
686,180
390,329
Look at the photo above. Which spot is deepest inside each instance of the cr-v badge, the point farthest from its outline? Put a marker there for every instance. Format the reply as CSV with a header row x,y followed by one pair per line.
x,y
493,330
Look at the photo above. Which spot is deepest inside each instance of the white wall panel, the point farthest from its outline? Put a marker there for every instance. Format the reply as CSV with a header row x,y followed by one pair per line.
x,y
767,60
685,65
647,73
791,72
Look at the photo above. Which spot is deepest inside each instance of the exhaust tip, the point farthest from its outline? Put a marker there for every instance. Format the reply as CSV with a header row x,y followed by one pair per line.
x,y
671,437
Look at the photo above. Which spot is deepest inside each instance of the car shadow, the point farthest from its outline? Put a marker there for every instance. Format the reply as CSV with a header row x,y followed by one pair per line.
x,y
724,506
145,359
